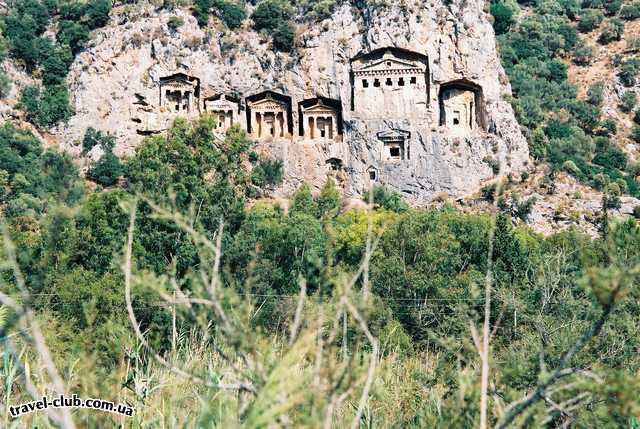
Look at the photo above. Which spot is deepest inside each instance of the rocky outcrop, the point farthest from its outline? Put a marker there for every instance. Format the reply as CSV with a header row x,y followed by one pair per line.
x,y
415,150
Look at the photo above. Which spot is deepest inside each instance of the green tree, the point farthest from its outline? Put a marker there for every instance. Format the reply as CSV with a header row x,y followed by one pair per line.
x,y
329,200
270,15
232,14
503,17
46,108
283,37
5,85
303,201
613,31
107,169
590,20
628,101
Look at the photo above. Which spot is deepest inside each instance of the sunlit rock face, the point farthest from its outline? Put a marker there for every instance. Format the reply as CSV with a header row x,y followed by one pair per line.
x,y
410,97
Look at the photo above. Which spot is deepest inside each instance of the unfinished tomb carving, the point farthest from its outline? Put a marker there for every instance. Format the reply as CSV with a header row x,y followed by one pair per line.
x,y
461,106
389,82
180,94
334,164
320,118
269,115
224,109
395,145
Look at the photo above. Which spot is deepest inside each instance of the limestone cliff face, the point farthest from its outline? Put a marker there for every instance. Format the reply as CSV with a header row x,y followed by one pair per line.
x,y
392,129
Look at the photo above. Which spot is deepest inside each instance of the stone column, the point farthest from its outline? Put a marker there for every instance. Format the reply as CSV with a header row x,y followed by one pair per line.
x,y
334,127
285,129
254,123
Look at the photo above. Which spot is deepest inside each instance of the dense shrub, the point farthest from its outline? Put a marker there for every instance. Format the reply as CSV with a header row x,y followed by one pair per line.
x,y
24,25
97,13
583,55
283,37
317,10
590,20
32,176
628,71
232,14
612,7
613,31
635,133
595,94
630,11
93,137
107,169
175,22
73,34
561,127
271,14
628,101
586,115
56,65
503,17
4,47
201,10
267,172
607,127
611,158
46,108
488,192
387,199
5,84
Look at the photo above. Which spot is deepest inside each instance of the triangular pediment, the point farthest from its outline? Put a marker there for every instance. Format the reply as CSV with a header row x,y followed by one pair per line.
x,y
393,135
319,107
389,63
267,103
179,79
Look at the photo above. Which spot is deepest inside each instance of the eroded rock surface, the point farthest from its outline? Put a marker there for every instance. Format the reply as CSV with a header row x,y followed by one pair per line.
x,y
431,119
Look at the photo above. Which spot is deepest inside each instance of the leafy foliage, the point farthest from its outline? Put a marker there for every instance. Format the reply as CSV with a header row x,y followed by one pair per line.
x,y
107,170
387,199
33,177
46,107
563,128
231,13
267,172
503,15
24,27
274,17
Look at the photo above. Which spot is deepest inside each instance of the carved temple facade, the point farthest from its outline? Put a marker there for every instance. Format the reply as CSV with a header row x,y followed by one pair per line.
x,y
225,110
387,84
180,94
320,119
269,115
